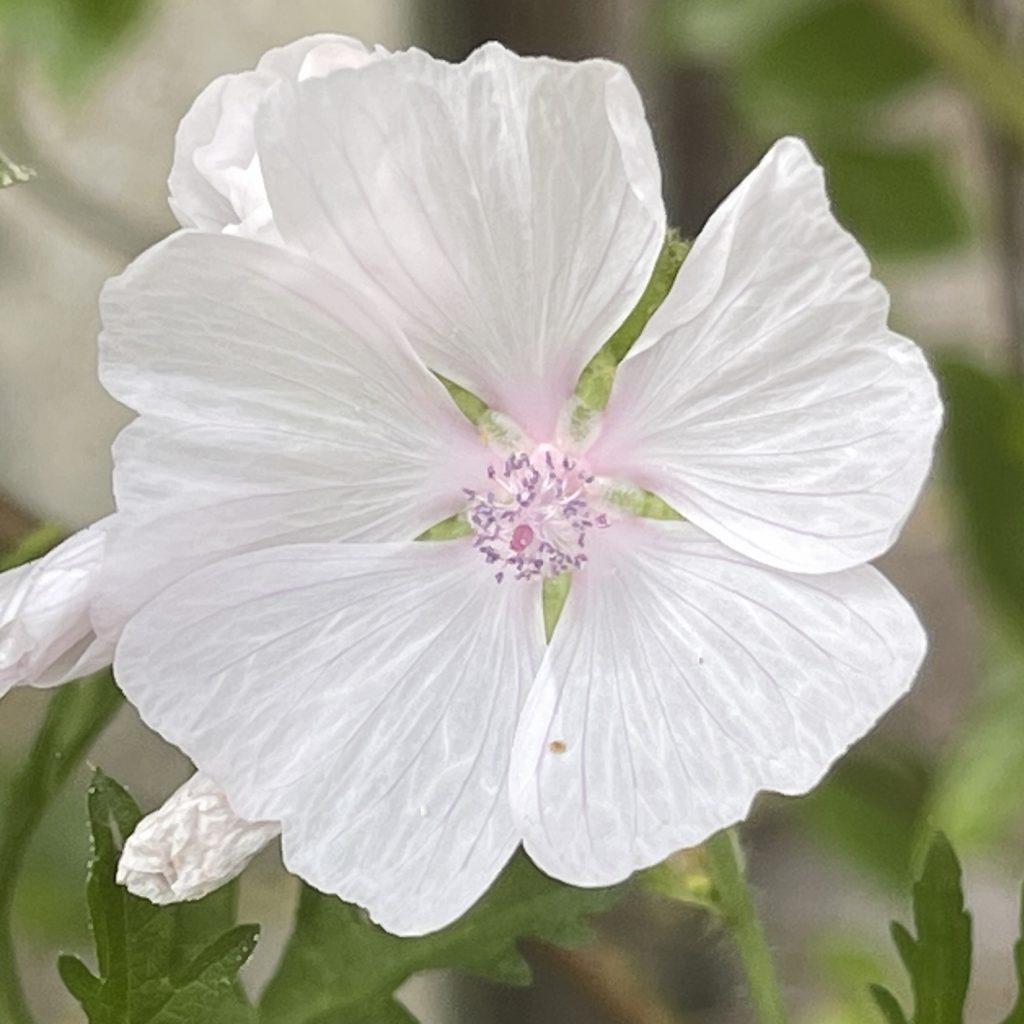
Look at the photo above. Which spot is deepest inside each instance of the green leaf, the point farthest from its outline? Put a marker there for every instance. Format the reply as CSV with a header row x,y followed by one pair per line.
x,y
835,53
156,965
339,966
938,959
984,462
899,202
1016,1015
888,1004
75,716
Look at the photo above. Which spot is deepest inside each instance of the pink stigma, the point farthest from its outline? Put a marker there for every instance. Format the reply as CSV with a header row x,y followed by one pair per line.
x,y
536,519
521,537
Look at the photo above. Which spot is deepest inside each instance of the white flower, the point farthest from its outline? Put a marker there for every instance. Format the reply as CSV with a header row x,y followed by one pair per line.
x,y
46,634
388,701
190,846
215,183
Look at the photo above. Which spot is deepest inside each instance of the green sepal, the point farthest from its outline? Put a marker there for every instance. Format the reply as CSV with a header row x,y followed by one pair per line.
x,y
595,383
554,592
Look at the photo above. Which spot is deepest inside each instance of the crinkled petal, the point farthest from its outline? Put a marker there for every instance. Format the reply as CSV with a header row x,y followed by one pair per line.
x,y
507,211
767,399
46,634
193,844
215,182
682,679
363,695
276,408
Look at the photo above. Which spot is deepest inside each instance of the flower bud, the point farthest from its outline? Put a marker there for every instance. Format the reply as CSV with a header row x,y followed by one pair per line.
x,y
190,846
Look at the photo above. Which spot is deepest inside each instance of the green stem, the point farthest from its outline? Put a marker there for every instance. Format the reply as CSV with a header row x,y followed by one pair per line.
x,y
733,901
968,53
76,715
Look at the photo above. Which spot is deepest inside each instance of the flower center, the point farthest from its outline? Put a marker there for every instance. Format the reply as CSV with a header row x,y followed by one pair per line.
x,y
535,519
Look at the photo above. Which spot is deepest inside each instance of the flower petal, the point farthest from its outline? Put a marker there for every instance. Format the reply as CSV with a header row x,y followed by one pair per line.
x,y
276,409
507,211
215,182
365,696
767,400
193,844
46,635
682,678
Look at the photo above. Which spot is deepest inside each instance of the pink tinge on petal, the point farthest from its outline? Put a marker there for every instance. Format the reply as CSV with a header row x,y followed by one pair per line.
x,y
533,516
278,406
505,211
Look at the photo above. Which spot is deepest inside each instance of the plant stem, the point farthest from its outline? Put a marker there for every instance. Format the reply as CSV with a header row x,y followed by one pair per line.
x,y
733,901
970,54
76,715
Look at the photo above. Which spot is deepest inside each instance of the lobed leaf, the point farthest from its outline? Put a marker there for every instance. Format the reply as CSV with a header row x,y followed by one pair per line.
x,y
156,965
938,958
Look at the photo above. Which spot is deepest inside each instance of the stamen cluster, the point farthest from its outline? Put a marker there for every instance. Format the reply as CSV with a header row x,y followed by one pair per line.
x,y
535,520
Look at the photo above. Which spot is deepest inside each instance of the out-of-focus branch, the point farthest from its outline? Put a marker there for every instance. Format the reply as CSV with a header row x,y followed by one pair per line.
x,y
608,980
1007,163
970,54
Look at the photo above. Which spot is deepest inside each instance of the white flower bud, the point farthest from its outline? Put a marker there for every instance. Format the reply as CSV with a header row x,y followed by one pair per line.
x,y
190,846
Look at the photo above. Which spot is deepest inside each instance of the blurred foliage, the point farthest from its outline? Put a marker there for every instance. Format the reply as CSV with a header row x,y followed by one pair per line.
x,y
34,545
848,963
834,55
70,39
339,966
976,798
938,958
157,965
984,462
868,809
833,72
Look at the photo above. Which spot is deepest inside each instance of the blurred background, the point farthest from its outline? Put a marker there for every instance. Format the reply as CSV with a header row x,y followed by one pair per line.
x,y
924,155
